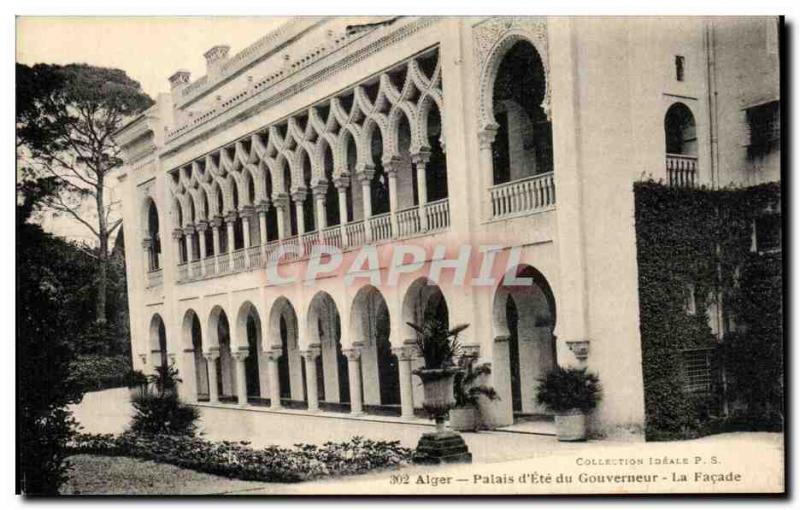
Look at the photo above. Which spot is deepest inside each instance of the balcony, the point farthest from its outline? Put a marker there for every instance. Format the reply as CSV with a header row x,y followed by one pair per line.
x,y
531,194
413,221
681,170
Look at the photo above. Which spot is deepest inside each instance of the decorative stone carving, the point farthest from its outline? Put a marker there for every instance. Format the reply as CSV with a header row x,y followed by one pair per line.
x,y
491,39
580,348
471,351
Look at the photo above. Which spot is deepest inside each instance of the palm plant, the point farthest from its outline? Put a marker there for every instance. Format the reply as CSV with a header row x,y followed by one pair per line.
x,y
437,344
165,379
465,390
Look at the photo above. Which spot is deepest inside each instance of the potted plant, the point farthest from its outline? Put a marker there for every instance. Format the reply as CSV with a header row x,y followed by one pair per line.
x,y
570,393
438,347
466,415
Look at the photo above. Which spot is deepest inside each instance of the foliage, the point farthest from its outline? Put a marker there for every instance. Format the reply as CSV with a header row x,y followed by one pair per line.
x,y
66,118
161,411
95,372
239,460
465,389
437,344
165,379
565,389
701,239
44,353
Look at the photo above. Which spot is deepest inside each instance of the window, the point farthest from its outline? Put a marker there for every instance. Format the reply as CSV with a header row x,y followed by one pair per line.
x,y
680,67
764,125
768,233
699,371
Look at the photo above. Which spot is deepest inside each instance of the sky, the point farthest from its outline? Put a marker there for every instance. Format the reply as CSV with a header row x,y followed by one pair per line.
x,y
149,49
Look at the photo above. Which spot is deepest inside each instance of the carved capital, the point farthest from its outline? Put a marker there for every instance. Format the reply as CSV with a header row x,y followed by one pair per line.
x,y
487,135
471,351
177,234
422,156
262,207
580,348
320,188
311,354
365,172
240,355
216,222
342,182
299,195
211,356
405,353
231,216
246,211
391,165
352,354
189,230
274,354
280,200
147,243
202,226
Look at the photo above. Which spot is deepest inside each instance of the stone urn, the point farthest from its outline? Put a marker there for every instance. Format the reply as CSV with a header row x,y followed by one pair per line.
x,y
464,419
443,445
571,425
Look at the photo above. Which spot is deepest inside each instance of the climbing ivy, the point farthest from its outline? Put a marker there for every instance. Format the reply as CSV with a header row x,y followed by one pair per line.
x,y
699,241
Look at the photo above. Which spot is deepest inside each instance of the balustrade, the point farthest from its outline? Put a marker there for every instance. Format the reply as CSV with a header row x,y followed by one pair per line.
x,y
533,193
681,170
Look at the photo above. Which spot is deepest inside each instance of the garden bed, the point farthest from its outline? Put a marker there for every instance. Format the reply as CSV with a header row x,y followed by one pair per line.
x,y
240,461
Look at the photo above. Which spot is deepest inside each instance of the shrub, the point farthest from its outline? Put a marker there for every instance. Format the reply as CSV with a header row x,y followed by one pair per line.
x,y
239,460
465,391
156,414
93,372
564,389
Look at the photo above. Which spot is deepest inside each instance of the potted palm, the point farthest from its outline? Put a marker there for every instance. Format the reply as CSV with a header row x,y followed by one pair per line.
x,y
465,416
571,394
438,347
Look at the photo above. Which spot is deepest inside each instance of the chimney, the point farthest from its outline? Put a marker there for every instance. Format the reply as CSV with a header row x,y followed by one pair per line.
x,y
215,58
178,82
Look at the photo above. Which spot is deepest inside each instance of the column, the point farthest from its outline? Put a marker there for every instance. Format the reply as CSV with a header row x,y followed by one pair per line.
x,y
341,187
147,246
406,390
241,376
299,196
319,200
246,213
216,223
501,380
262,209
310,357
177,234
486,162
274,378
202,226
189,232
391,172
211,361
354,375
365,178
229,223
420,159
280,202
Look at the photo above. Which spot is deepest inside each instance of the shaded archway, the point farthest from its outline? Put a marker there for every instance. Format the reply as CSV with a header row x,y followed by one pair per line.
x,y
523,144
248,332
193,355
424,302
524,316
370,325
219,333
283,338
154,235
158,342
324,330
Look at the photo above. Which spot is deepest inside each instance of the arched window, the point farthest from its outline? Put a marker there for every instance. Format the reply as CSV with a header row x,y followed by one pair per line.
x,y
154,235
309,203
681,145
331,194
379,187
292,210
238,232
523,145
436,168
680,131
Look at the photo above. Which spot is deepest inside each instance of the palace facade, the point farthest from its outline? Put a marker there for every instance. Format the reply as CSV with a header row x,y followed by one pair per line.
x,y
520,134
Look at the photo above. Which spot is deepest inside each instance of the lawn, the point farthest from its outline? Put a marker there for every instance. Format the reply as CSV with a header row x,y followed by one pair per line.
x,y
99,474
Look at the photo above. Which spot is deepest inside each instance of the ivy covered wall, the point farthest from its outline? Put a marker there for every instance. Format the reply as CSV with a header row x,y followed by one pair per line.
x,y
703,285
